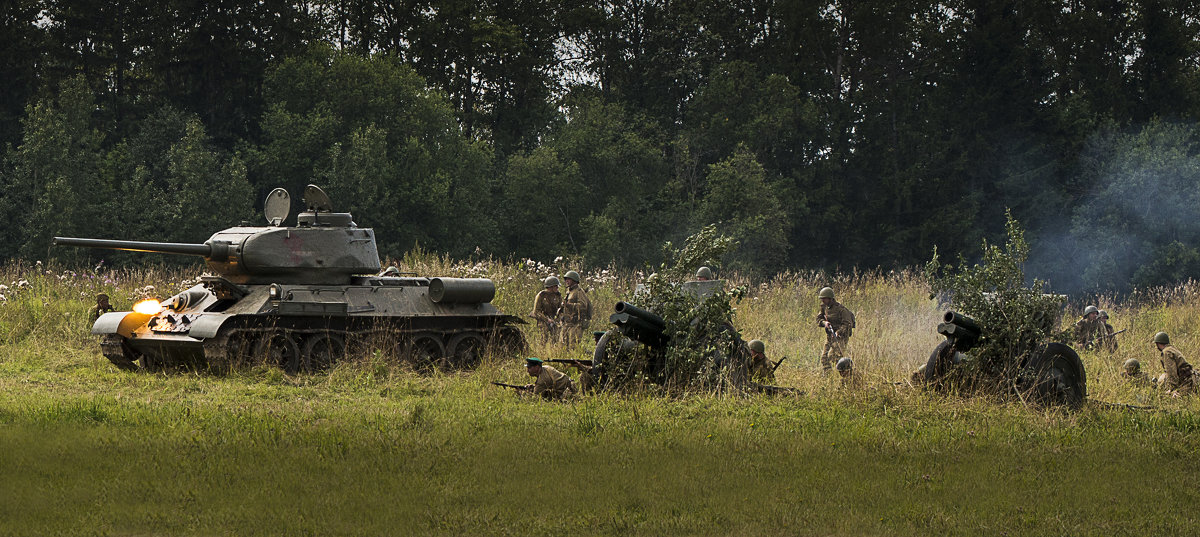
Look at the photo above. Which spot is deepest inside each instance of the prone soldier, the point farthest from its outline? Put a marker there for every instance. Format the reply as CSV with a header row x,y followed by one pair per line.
x,y
851,379
546,306
1176,377
576,310
1132,372
838,323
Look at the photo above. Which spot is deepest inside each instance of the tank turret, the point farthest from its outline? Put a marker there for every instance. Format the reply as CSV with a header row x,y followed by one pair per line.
x,y
324,248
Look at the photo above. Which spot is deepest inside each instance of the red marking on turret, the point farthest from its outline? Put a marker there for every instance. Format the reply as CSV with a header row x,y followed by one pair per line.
x,y
296,245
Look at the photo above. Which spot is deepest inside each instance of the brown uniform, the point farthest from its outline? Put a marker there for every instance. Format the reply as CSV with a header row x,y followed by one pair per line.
x,y
842,321
1170,379
97,311
553,384
1110,338
1088,333
1139,379
761,368
576,315
545,311
853,381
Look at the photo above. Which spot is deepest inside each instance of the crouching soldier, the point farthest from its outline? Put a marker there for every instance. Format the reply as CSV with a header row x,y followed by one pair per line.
x,y
761,369
1132,373
851,379
1176,377
550,383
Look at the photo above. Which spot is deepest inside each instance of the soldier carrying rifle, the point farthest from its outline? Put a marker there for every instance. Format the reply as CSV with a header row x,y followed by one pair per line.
x,y
838,323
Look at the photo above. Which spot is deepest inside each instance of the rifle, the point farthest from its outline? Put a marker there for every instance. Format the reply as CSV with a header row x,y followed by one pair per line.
x,y
777,364
569,362
517,387
1101,337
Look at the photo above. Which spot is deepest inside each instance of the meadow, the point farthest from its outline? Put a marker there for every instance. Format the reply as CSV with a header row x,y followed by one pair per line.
x,y
372,447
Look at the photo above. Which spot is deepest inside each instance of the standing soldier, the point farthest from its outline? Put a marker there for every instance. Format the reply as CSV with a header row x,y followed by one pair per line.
x,y
102,306
550,383
1110,335
1089,328
760,367
838,323
576,310
1176,377
704,274
545,310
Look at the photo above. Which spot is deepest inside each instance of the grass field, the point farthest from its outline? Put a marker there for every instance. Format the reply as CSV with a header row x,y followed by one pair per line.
x,y
372,448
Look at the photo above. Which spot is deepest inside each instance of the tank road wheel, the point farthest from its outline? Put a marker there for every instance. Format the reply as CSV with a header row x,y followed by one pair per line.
x,y
426,351
466,350
1055,376
935,368
322,351
278,348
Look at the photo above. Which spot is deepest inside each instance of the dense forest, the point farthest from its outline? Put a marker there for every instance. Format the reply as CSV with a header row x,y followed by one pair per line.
x,y
819,134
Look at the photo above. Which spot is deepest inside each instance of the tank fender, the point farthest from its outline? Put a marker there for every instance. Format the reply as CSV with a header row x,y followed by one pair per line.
x,y
121,323
206,326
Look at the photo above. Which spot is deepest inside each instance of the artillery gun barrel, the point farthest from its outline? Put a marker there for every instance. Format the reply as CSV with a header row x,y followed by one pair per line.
x,y
634,311
179,248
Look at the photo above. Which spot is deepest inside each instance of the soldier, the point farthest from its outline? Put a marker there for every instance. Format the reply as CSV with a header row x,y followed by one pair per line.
x,y
704,274
546,306
838,323
102,306
1177,373
550,383
761,368
1088,329
576,310
850,378
1109,335
1133,374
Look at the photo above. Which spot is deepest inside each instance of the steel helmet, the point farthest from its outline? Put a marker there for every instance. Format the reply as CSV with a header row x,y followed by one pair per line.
x,y
1132,365
1163,338
551,282
705,273
1103,314
845,364
572,275
825,292
757,346
1090,310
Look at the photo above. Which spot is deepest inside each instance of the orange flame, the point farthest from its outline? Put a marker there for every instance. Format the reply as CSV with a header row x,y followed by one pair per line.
x,y
149,306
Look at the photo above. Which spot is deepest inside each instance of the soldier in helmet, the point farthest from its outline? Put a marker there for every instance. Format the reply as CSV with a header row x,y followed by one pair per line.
x,y
102,306
850,378
550,383
1109,337
1132,372
761,369
1176,377
704,274
576,309
546,306
1089,329
838,323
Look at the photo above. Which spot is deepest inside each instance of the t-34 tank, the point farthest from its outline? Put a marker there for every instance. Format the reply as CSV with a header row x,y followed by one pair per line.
x,y
302,298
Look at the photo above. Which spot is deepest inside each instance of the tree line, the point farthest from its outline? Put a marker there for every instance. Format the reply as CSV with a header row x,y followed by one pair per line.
x,y
818,134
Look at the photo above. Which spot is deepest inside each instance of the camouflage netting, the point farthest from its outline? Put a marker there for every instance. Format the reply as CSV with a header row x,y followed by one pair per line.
x,y
1015,317
704,352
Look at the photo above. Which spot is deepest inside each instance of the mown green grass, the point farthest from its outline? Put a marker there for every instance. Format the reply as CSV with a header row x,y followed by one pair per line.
x,y
372,448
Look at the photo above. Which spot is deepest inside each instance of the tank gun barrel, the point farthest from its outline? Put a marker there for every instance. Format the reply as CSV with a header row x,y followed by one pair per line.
x,y
210,250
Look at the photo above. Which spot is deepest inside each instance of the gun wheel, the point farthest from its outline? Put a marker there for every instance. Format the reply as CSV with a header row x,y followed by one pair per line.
x,y
1055,376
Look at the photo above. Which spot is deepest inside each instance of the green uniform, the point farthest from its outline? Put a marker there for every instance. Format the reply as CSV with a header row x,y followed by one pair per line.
x,y
842,321
761,368
553,384
1170,379
98,310
576,314
1139,379
545,310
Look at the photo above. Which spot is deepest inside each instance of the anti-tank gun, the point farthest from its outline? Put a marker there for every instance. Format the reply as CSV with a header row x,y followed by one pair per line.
x,y
302,297
1046,373
642,346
